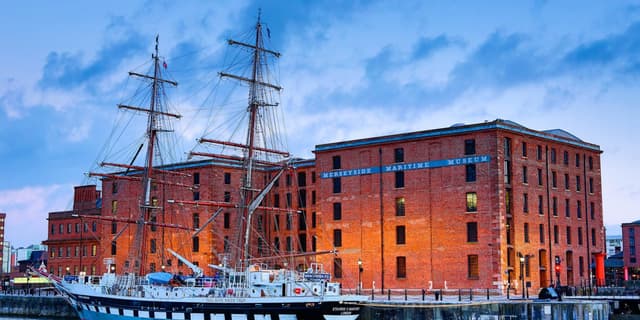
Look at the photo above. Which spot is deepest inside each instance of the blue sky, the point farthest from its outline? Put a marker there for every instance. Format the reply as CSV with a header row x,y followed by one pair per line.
x,y
350,69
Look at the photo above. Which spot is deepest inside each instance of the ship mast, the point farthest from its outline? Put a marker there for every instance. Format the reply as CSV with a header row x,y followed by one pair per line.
x,y
135,258
256,85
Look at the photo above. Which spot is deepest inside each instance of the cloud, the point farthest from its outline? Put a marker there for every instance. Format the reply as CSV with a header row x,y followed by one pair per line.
x,y
27,207
68,70
618,48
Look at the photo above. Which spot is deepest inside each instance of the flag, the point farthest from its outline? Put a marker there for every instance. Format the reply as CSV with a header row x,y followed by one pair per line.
x,y
164,64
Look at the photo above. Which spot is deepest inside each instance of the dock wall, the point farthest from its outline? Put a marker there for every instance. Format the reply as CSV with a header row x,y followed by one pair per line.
x,y
36,306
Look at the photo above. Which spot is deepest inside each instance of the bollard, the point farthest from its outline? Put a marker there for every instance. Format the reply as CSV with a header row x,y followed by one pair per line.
x,y
459,294
470,294
423,292
389,294
405,294
372,291
487,293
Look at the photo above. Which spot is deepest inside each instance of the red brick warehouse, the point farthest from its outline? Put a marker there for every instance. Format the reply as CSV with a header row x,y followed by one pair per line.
x,y
469,206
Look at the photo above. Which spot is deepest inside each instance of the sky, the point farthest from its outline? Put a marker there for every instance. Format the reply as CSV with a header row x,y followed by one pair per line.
x,y
349,69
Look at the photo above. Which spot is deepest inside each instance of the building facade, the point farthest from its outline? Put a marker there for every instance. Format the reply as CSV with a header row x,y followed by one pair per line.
x,y
630,231
489,205
614,245
74,236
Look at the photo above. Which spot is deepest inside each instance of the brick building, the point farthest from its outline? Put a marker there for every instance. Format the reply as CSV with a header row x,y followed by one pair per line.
x,y
630,231
3,258
73,239
469,206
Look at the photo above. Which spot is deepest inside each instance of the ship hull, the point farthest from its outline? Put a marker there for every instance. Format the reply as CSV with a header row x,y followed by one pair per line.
x,y
304,308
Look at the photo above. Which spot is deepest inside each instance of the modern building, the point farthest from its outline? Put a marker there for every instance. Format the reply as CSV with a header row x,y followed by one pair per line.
x,y
631,231
75,235
614,245
487,205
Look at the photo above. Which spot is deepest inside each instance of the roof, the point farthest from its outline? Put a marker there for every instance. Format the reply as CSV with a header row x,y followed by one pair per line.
x,y
557,135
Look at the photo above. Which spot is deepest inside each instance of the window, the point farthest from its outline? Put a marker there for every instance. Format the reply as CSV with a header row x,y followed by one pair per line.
x,y
526,232
593,237
94,226
196,220
539,176
554,179
579,209
577,183
337,211
525,203
507,172
470,146
313,219
288,180
399,179
302,221
580,235
227,196
593,210
53,229
566,181
337,185
471,172
590,185
590,163
313,197
153,219
302,198
472,267
227,178
336,162
472,202
540,205
568,235
276,244
566,158
525,178
302,179
401,267
507,147
195,244
581,265
152,245
313,177
524,149
539,153
289,244
541,232
114,187
196,178
555,234
577,160
400,235
398,155
553,155
114,206
94,250
227,220
114,227
555,206
472,232
113,248
337,268
400,206
567,208
196,195
337,238
289,221
276,200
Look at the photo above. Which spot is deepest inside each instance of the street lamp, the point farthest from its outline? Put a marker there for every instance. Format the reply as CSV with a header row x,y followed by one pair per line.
x,y
522,272
360,269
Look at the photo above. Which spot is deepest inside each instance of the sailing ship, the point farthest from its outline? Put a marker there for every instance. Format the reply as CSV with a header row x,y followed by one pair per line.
x,y
245,286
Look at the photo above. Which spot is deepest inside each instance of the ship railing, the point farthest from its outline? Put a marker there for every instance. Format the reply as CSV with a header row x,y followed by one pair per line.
x,y
434,295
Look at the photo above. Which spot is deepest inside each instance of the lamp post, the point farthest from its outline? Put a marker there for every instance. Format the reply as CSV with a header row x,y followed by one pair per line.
x,y
360,269
522,272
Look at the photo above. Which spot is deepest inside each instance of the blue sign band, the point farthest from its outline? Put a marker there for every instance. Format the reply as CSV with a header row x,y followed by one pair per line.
x,y
406,166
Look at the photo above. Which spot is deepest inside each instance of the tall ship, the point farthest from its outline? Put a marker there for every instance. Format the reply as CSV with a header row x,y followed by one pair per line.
x,y
245,281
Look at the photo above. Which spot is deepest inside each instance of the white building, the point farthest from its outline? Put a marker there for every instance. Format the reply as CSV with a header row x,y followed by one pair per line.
x,y
614,244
